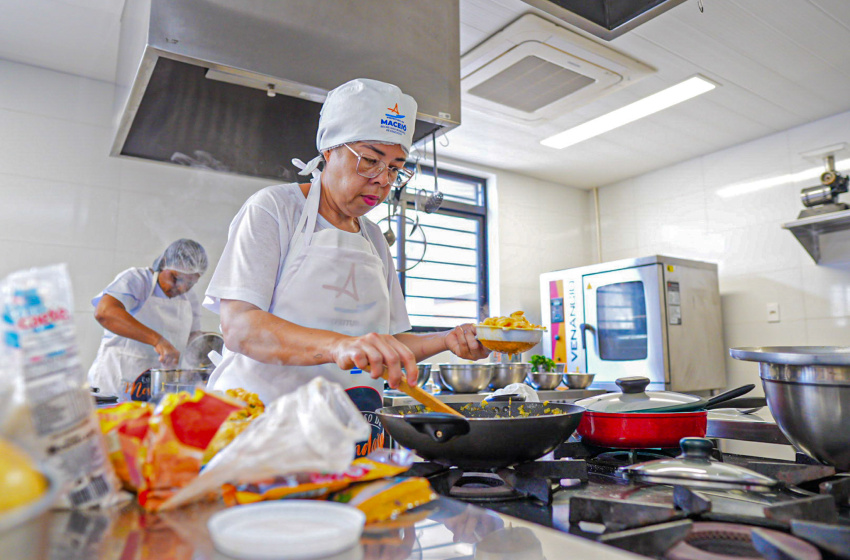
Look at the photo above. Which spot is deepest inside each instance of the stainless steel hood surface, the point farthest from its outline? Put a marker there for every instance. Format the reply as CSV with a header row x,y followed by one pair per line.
x,y
237,85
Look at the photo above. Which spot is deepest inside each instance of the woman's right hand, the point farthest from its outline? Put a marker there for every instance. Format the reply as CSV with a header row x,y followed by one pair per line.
x,y
373,352
169,356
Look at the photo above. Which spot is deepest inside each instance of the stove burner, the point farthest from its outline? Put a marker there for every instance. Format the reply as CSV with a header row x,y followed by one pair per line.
x,y
478,487
720,541
535,479
625,457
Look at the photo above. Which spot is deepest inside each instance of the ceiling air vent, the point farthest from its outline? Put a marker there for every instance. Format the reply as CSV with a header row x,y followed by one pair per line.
x,y
533,70
550,83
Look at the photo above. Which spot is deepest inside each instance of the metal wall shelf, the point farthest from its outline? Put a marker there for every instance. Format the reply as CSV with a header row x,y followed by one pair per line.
x,y
825,237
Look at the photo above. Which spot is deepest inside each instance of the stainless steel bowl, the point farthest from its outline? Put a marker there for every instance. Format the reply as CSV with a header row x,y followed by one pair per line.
x,y
808,393
544,381
578,380
507,374
176,380
465,378
424,374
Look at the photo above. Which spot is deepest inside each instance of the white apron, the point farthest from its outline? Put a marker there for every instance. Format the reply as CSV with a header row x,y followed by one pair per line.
x,y
121,360
331,280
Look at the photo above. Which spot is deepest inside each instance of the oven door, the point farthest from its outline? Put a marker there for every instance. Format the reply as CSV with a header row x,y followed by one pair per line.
x,y
623,334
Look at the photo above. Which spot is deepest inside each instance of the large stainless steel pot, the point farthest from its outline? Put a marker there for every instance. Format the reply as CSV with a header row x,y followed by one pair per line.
x,y
808,394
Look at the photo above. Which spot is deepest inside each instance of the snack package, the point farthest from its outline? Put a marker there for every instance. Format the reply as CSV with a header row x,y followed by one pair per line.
x,y
386,499
179,432
235,423
381,463
124,428
314,428
53,414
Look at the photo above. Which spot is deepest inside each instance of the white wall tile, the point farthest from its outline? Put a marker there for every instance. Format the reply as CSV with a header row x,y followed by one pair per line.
x,y
745,298
57,212
759,248
826,291
56,95
57,149
834,331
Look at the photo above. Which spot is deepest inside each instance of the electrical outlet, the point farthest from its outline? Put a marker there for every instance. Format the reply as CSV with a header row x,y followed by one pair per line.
x,y
772,312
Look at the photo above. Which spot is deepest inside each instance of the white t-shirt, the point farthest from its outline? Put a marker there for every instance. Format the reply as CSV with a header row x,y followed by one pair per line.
x,y
257,243
132,288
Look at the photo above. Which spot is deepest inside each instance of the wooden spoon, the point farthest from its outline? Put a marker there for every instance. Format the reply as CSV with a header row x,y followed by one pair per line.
x,y
421,396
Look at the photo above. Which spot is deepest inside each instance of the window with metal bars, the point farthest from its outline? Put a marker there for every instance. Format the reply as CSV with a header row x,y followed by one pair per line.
x,y
441,256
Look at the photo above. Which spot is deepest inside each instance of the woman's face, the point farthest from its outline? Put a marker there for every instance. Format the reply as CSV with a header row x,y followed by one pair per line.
x,y
175,283
350,194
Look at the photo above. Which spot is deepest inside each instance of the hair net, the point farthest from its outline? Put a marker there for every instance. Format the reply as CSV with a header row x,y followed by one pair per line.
x,y
364,109
184,255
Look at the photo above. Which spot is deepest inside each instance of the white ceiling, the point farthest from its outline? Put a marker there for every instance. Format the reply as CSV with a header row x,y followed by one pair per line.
x,y
780,63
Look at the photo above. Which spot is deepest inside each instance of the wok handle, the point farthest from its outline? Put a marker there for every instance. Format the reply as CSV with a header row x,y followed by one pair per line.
x,y
729,395
439,426
747,402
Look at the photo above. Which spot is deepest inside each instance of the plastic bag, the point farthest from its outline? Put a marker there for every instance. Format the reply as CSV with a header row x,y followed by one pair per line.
x,y
519,389
54,414
314,428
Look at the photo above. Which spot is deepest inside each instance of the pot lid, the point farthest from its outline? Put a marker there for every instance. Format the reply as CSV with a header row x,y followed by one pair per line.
x,y
635,398
794,355
695,468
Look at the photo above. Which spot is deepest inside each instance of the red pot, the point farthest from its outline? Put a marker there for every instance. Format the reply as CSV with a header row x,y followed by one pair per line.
x,y
635,430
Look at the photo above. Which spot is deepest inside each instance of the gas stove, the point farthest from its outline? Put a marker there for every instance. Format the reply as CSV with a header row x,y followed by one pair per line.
x,y
580,492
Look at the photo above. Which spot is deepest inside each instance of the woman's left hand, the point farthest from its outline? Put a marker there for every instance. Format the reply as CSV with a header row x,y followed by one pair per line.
x,y
462,342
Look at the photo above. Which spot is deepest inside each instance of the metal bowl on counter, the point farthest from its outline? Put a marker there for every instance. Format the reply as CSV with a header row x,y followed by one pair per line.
x,y
508,374
176,380
424,374
808,393
465,378
544,381
578,380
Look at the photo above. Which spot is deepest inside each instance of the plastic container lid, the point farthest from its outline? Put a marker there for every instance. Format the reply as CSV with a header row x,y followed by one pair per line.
x,y
291,529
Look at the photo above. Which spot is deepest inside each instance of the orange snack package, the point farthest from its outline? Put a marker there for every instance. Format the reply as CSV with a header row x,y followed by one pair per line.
x,y
181,428
124,427
314,484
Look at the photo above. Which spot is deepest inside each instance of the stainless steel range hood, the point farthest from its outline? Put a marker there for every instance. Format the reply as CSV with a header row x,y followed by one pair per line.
x,y
237,85
607,19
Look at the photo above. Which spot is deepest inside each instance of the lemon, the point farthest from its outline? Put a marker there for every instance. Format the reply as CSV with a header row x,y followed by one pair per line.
x,y
20,482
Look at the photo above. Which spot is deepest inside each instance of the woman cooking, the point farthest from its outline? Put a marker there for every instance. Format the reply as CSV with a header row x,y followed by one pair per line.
x,y
306,285
148,316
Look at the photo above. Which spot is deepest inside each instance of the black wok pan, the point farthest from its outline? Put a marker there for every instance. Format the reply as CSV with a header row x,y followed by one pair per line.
x,y
492,436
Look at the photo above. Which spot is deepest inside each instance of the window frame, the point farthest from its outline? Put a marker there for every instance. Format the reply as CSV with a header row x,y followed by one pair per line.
x,y
477,212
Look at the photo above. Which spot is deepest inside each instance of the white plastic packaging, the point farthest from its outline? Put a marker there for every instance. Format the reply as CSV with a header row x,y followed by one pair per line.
x,y
52,412
313,429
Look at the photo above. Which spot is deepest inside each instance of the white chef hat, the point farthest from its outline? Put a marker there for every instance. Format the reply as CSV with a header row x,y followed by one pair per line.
x,y
364,109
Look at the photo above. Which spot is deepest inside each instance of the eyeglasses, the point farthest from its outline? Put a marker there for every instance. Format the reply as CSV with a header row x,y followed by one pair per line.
x,y
370,168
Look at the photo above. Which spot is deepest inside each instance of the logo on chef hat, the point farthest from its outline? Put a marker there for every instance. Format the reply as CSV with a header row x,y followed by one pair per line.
x,y
394,121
